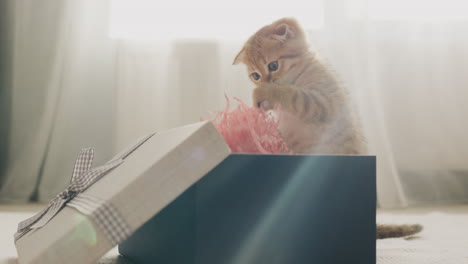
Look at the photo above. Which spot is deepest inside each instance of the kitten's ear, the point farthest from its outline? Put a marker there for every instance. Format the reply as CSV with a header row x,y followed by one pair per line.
x,y
240,57
283,32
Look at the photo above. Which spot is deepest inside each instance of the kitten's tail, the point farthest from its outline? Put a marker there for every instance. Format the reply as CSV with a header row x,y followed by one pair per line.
x,y
388,231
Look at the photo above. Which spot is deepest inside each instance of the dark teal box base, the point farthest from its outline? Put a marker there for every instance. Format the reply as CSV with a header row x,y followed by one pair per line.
x,y
267,209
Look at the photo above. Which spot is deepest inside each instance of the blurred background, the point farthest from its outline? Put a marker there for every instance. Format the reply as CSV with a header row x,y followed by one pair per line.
x,y
100,74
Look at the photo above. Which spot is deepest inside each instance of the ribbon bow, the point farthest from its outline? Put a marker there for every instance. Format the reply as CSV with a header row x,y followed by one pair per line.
x,y
82,178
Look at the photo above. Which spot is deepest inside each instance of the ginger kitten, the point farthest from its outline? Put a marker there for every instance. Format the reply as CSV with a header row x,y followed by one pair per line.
x,y
316,114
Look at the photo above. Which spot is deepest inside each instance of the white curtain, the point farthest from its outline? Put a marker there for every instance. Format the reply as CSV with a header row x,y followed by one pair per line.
x,y
62,94
408,80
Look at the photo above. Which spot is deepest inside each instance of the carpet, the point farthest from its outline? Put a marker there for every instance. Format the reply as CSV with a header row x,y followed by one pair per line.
x,y
444,239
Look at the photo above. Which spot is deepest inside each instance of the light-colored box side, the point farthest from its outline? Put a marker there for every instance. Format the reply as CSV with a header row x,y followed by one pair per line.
x,y
148,180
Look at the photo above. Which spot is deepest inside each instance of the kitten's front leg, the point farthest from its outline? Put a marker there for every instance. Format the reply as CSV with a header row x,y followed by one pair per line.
x,y
309,105
267,96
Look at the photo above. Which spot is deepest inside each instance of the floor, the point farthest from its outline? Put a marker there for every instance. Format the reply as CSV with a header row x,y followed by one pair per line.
x,y
443,240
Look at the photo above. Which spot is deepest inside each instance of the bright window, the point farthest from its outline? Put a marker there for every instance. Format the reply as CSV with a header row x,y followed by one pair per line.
x,y
151,19
421,10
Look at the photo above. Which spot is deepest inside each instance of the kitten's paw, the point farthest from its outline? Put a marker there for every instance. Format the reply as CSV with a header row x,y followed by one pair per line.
x,y
265,105
262,98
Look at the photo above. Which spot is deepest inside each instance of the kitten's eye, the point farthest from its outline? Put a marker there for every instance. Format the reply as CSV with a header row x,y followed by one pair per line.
x,y
273,66
256,76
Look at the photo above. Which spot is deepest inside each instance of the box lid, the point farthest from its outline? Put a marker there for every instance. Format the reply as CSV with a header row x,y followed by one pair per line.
x,y
147,180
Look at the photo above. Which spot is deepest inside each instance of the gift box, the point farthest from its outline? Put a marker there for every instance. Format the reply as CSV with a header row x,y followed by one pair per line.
x,y
181,196
263,209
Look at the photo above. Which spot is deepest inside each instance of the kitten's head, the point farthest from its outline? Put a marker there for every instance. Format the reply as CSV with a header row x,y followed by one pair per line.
x,y
269,52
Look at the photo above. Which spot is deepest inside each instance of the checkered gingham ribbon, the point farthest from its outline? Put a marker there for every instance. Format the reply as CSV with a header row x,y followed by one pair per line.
x,y
104,214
